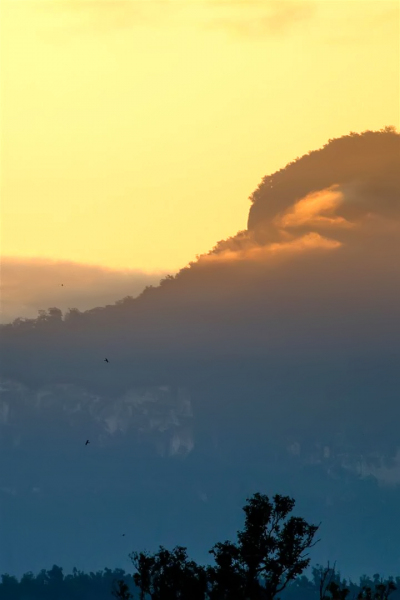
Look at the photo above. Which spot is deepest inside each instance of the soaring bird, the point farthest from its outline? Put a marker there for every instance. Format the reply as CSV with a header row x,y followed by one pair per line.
x,y
106,360
87,442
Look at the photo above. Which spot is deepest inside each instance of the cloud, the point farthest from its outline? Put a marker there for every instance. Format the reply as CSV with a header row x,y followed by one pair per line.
x,y
259,18
363,167
246,18
315,209
270,252
32,284
376,466
344,196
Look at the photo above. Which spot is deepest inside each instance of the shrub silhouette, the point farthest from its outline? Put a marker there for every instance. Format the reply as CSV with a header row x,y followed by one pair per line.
x,y
169,575
381,591
121,590
332,588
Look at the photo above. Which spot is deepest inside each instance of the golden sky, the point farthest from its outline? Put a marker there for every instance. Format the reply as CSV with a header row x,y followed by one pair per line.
x,y
133,131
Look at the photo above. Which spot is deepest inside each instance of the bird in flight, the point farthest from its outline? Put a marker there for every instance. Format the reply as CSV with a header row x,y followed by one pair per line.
x,y
87,442
106,360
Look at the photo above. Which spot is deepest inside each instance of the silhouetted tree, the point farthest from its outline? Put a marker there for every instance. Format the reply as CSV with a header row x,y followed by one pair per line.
x,y
121,590
144,564
271,550
382,591
169,575
227,578
332,588
330,585
9,586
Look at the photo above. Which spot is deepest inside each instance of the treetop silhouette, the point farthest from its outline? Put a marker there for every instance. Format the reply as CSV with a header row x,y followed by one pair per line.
x,y
270,552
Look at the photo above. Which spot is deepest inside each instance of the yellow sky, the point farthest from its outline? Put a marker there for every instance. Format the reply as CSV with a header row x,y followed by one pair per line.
x,y
133,131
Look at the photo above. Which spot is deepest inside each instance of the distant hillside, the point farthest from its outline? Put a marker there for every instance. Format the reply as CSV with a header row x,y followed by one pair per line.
x,y
270,363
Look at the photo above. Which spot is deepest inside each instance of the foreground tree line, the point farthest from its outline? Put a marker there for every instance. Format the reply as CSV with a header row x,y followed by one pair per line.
x,y
266,562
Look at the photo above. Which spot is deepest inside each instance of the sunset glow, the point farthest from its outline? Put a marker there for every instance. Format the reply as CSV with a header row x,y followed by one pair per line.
x,y
134,132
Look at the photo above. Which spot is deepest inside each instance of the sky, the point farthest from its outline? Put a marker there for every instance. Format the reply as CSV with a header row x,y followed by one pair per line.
x,y
133,132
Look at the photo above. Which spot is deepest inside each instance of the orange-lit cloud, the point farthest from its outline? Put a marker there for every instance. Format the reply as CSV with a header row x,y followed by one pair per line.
x,y
30,285
253,252
315,209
